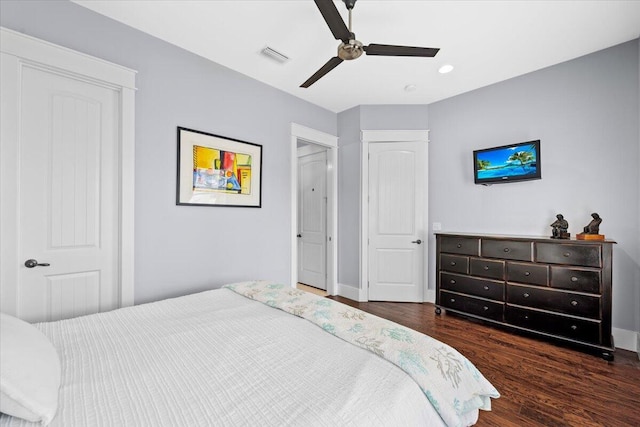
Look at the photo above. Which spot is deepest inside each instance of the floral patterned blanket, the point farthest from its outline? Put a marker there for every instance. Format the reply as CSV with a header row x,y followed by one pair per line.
x,y
453,385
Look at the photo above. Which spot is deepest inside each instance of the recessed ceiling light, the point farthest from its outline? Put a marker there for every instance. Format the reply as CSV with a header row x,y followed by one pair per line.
x,y
447,68
410,88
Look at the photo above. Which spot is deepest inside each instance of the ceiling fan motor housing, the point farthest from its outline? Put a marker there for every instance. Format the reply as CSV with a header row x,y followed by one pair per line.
x,y
351,50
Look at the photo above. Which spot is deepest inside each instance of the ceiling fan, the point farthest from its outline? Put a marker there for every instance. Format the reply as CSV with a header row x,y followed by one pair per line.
x,y
350,48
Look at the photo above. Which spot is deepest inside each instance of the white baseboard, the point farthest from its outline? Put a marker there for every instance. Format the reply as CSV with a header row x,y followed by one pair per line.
x,y
626,340
357,294
351,292
430,296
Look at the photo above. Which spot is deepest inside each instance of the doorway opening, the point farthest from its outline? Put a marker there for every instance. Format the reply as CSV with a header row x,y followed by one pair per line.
x,y
313,209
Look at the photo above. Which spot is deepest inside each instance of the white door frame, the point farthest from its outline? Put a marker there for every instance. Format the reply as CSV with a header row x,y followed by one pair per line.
x,y
29,50
372,136
313,136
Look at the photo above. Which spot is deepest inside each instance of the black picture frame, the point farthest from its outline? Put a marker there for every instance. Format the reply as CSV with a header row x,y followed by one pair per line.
x,y
215,170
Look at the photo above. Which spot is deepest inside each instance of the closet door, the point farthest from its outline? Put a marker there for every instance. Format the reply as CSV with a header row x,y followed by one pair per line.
x,y
396,212
61,187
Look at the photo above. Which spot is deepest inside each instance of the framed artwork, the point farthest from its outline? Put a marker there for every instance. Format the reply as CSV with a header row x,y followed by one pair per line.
x,y
217,171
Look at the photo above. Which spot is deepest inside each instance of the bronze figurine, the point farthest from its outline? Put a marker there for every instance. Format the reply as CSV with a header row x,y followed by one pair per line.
x,y
559,228
594,226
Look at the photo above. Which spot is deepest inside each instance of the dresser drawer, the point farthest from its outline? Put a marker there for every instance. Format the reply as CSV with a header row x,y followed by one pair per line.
x,y
533,274
487,268
473,286
584,255
489,309
506,249
454,263
582,280
577,329
459,245
558,301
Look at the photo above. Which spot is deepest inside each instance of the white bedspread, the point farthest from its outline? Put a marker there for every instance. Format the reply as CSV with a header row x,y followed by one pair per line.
x,y
217,358
453,385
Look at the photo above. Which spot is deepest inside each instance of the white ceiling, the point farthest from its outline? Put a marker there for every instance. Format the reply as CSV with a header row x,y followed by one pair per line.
x,y
486,41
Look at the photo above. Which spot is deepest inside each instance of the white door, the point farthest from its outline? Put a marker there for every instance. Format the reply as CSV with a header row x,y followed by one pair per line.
x,y
396,235
312,220
62,220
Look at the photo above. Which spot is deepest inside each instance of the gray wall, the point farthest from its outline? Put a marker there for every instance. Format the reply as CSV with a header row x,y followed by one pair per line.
x,y
349,166
394,117
182,249
585,112
637,279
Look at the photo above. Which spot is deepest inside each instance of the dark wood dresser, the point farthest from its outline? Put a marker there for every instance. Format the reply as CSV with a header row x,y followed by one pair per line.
x,y
560,289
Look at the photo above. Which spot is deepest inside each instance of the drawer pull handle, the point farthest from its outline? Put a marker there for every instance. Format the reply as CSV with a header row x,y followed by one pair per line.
x,y
526,317
526,273
485,287
507,249
567,254
526,295
574,279
485,308
453,282
459,245
486,267
574,327
574,303
453,263
453,300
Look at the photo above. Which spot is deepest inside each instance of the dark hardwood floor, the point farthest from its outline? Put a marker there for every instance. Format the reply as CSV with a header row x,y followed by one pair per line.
x,y
541,384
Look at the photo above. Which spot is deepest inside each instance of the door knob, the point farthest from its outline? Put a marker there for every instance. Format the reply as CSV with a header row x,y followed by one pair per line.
x,y
416,241
299,235
30,263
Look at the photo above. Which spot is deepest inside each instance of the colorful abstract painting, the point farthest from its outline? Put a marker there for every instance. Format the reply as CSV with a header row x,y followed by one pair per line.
x,y
217,170
214,170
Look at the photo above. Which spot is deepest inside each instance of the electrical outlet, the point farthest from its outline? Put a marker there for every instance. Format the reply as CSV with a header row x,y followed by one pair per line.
x,y
437,226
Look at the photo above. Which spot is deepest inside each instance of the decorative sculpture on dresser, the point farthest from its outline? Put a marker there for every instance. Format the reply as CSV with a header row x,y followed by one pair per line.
x,y
594,226
591,231
559,228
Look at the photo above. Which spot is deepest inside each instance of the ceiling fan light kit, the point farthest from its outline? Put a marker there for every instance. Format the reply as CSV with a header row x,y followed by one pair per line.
x,y
351,48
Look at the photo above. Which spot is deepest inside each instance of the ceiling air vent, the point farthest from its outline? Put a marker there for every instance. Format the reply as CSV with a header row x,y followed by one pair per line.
x,y
274,54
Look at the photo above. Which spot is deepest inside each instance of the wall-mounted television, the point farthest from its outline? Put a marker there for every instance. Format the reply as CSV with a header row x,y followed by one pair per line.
x,y
507,163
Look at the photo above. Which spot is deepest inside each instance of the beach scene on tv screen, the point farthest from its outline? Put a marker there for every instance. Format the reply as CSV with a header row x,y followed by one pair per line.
x,y
517,161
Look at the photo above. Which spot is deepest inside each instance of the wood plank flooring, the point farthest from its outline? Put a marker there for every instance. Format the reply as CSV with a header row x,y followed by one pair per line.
x,y
541,384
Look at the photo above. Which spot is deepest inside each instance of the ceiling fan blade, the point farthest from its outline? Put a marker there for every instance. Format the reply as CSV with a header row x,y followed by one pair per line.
x,y
334,20
390,50
330,65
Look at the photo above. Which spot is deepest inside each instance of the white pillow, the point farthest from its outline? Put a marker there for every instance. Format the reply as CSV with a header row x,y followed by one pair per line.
x,y
29,372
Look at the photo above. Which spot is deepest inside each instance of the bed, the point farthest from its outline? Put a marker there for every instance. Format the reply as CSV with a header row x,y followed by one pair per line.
x,y
251,353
